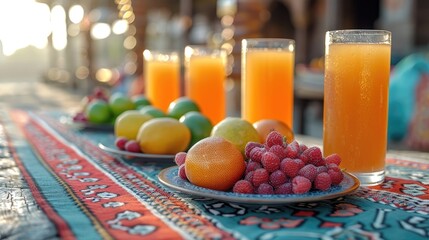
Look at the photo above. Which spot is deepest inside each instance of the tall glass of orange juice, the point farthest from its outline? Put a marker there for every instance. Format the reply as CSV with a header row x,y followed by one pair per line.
x,y
205,73
162,77
267,69
357,70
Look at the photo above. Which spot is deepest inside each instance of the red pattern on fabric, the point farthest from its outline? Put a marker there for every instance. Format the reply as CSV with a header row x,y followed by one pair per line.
x,y
65,232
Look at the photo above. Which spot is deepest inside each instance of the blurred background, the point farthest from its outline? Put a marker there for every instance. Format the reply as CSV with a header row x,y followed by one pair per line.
x,y
72,46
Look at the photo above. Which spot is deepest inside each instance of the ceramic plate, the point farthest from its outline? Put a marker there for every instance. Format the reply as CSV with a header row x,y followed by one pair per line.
x,y
138,156
170,178
86,126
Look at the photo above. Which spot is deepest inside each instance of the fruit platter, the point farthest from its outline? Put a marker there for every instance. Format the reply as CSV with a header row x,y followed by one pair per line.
x,y
99,109
231,160
269,172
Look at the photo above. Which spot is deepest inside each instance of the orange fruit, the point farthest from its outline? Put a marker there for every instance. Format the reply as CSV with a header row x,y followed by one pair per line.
x,y
265,126
214,163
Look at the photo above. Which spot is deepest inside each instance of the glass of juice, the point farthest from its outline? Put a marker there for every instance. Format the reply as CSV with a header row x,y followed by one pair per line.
x,y
205,73
357,70
267,69
162,77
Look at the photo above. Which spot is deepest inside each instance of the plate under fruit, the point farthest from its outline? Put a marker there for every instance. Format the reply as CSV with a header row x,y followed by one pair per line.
x,y
144,157
86,125
169,177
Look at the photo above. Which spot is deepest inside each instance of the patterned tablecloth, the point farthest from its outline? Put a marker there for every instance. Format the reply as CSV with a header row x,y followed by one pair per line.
x,y
82,192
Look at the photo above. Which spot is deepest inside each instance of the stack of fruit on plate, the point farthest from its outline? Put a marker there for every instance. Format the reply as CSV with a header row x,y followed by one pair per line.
x,y
101,108
152,131
272,167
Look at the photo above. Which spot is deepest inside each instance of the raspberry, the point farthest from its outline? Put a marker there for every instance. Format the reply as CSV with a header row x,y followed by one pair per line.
x,y
270,161
336,176
265,188
292,149
309,171
260,176
249,147
180,158
277,178
302,148
333,158
243,186
256,153
274,138
321,169
182,172
314,155
291,167
279,151
120,143
322,181
252,165
300,185
285,188
132,146
333,166
249,176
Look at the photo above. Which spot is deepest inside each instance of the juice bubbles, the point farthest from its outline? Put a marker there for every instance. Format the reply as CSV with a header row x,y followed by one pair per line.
x,y
205,80
355,105
162,78
267,80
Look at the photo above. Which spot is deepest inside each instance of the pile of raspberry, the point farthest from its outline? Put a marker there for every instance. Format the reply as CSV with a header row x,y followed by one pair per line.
x,y
276,167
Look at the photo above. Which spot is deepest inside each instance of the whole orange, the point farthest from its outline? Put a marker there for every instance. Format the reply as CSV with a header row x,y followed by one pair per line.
x,y
265,126
214,163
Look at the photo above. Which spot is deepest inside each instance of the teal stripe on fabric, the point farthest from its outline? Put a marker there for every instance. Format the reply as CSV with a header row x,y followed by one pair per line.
x,y
56,195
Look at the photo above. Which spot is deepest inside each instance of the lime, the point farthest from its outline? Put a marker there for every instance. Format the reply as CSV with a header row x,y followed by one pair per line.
x,y
153,111
236,130
181,106
199,125
140,101
98,111
128,123
120,103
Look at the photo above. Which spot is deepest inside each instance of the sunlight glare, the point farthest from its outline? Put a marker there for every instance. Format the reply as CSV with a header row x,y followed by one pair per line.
x,y
23,23
76,14
59,28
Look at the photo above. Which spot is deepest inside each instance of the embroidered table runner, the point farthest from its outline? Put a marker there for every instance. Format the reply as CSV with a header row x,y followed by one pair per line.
x,y
89,194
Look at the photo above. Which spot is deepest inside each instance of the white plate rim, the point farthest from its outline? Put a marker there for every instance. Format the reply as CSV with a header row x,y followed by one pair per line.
x,y
136,155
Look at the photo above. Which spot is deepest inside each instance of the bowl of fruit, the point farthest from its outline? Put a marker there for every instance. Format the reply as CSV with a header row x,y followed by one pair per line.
x,y
152,134
99,110
275,171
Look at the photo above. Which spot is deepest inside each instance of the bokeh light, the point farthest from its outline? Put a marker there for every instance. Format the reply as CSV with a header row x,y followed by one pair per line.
x,y
30,26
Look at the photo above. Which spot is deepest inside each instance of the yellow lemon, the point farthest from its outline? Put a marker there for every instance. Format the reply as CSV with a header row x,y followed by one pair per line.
x,y
163,136
236,130
128,123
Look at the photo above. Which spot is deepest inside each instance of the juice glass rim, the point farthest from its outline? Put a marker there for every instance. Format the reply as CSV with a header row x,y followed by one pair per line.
x,y
375,36
161,55
203,50
268,43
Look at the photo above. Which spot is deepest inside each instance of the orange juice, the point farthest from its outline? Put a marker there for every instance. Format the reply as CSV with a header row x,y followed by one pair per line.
x,y
355,105
162,78
267,86
205,84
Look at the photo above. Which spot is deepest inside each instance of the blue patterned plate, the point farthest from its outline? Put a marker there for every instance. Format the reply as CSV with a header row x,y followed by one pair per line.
x,y
169,177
